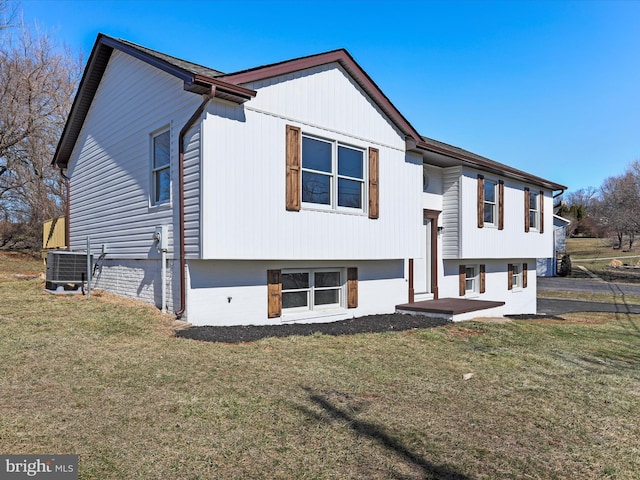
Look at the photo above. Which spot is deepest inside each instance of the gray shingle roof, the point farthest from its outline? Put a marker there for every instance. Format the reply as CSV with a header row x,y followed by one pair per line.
x,y
199,79
176,62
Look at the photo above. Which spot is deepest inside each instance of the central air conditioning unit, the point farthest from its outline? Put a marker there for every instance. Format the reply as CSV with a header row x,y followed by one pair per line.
x,y
67,267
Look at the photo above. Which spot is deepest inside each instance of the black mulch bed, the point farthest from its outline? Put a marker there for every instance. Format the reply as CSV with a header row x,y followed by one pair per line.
x,y
532,316
369,324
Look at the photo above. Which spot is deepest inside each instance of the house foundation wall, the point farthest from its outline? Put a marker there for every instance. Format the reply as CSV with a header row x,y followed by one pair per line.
x,y
139,279
235,292
518,300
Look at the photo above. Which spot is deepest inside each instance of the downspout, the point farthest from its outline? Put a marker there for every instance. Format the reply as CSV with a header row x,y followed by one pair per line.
x,y
183,263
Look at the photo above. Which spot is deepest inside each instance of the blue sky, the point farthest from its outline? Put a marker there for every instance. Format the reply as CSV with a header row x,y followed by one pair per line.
x,y
549,87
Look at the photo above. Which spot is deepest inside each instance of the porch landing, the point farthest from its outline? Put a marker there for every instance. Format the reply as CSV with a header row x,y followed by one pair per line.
x,y
453,309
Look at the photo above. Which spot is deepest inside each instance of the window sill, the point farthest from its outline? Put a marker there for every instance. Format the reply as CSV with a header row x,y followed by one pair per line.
x,y
160,206
340,211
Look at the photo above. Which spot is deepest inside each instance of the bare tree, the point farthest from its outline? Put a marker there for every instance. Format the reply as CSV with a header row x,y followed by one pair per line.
x,y
7,14
578,207
619,206
37,82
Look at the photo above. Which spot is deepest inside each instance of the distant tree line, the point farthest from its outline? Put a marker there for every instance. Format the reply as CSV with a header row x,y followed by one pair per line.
x,y
612,210
38,78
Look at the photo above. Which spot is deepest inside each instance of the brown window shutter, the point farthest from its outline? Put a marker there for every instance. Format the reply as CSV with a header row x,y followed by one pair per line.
x,y
412,291
352,287
541,211
510,276
462,280
501,205
524,275
274,293
293,180
374,183
527,224
480,201
482,278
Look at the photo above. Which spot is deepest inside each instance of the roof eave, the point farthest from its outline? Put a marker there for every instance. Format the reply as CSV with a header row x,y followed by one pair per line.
x,y
221,89
94,70
347,62
491,167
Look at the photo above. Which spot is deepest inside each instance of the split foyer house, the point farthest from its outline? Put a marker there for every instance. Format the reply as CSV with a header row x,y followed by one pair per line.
x,y
289,192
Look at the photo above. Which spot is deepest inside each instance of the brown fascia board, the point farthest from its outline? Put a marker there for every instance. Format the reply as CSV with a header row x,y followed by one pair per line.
x,y
485,164
221,87
95,68
342,57
89,82
414,141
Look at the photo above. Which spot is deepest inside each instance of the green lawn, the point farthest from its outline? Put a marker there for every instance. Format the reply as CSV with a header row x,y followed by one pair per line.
x,y
103,378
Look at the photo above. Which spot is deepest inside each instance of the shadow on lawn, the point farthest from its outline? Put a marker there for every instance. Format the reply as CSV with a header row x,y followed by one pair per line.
x,y
623,309
377,434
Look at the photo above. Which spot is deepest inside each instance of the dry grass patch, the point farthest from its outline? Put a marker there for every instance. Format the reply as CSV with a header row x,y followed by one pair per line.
x,y
100,377
580,248
18,265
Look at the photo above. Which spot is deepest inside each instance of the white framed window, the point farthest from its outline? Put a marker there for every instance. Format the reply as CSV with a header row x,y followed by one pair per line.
x,y
471,279
333,174
490,204
312,289
534,210
161,168
517,275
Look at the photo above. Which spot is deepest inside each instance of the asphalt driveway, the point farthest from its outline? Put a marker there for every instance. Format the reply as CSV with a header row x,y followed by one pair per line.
x,y
586,285
553,306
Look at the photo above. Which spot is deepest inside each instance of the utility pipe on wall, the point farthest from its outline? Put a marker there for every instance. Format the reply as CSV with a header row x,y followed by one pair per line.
x,y
161,237
183,263
88,267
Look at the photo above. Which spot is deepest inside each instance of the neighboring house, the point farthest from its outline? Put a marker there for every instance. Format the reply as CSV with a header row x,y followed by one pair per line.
x,y
288,192
548,267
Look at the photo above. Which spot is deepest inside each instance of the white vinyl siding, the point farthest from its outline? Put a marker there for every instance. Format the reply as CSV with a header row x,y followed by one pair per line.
x,y
111,182
462,239
324,96
451,214
192,191
244,170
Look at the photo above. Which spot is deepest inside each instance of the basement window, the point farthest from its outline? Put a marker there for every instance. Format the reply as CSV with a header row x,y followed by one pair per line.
x,y
471,279
311,290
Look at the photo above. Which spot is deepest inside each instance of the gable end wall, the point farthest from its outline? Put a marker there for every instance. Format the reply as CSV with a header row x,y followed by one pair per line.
x,y
110,167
